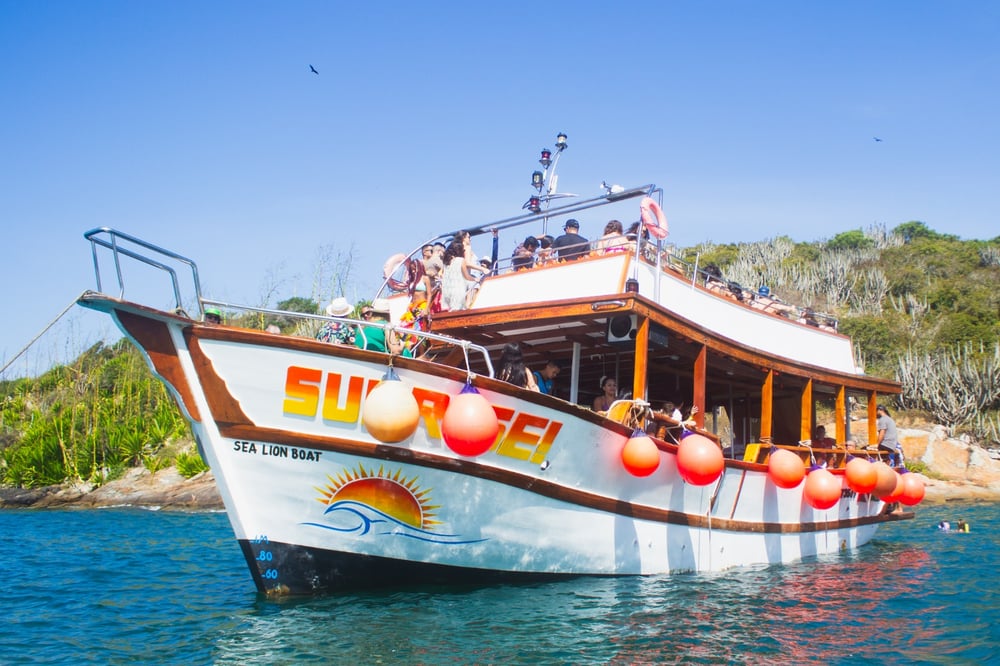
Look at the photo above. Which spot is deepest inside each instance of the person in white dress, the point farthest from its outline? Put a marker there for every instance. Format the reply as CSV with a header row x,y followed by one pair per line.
x,y
458,277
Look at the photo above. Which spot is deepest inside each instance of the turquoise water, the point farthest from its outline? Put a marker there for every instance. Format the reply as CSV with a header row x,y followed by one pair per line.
x,y
131,586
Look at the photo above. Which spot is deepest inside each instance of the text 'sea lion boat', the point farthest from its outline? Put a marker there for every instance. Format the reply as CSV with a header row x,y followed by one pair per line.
x,y
342,467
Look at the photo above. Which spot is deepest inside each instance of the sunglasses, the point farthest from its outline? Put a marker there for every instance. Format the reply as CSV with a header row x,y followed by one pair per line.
x,y
367,313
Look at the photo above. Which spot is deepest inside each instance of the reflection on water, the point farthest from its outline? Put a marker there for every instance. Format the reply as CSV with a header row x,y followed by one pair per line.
x,y
97,587
909,596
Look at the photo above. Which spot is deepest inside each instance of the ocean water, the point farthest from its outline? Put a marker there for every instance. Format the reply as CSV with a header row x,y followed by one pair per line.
x,y
130,586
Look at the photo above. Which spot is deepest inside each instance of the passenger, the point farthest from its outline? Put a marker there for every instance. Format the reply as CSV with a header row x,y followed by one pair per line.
x,y
337,332
420,283
375,336
768,302
426,253
545,255
213,316
524,254
673,411
888,440
820,440
512,368
609,388
457,277
613,240
715,282
571,245
545,378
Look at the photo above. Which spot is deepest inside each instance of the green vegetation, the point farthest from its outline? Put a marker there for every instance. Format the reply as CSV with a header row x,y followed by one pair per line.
x,y
921,306
90,420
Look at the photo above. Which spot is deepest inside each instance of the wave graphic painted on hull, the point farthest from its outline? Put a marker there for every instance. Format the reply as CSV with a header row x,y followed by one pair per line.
x,y
353,517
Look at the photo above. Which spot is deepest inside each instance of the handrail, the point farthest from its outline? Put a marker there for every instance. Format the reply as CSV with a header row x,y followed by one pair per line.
x,y
360,325
528,218
96,238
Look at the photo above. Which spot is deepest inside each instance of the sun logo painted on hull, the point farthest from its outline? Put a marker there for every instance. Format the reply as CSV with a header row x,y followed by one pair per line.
x,y
365,502
393,495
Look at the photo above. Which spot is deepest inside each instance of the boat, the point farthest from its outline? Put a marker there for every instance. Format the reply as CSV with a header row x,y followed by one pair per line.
x,y
344,468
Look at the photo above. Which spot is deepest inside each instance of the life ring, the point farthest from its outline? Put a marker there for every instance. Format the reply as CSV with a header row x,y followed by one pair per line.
x,y
392,268
653,218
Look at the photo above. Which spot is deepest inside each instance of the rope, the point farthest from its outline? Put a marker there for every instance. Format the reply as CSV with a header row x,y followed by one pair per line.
x,y
42,332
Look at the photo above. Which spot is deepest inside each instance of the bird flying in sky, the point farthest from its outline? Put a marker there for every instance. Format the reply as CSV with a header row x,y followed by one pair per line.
x,y
313,69
878,140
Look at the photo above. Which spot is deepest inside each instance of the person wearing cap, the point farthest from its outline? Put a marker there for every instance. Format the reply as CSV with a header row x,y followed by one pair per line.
x,y
764,300
213,316
337,332
571,245
375,336
888,440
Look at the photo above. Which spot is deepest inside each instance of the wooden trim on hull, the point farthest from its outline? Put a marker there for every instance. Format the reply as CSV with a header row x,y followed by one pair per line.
x,y
533,484
153,337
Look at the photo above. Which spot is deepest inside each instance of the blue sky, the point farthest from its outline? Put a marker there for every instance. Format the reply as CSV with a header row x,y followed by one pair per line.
x,y
199,126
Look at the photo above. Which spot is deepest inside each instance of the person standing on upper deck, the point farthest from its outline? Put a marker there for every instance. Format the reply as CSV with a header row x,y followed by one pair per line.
x,y
571,245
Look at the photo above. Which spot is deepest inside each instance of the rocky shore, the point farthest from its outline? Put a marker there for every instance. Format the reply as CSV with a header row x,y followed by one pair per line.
x,y
961,471
164,489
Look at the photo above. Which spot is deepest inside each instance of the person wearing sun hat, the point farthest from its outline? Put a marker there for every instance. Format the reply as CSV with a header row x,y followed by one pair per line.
x,y
337,332
571,245
374,335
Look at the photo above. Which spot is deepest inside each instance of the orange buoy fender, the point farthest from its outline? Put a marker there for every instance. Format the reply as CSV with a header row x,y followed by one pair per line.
x,y
640,456
822,489
470,425
785,469
699,460
913,489
887,479
653,218
861,476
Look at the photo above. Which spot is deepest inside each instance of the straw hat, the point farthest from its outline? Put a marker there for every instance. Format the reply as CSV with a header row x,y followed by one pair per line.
x,y
339,307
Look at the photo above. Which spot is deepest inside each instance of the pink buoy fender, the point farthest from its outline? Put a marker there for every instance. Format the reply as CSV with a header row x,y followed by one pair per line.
x,y
470,425
653,218
396,272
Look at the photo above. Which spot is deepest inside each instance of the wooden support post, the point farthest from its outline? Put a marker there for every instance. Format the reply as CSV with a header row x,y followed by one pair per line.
x,y
841,417
806,417
872,415
641,359
766,400
698,397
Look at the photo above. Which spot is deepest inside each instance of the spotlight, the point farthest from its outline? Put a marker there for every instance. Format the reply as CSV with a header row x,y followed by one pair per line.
x,y
537,180
561,141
